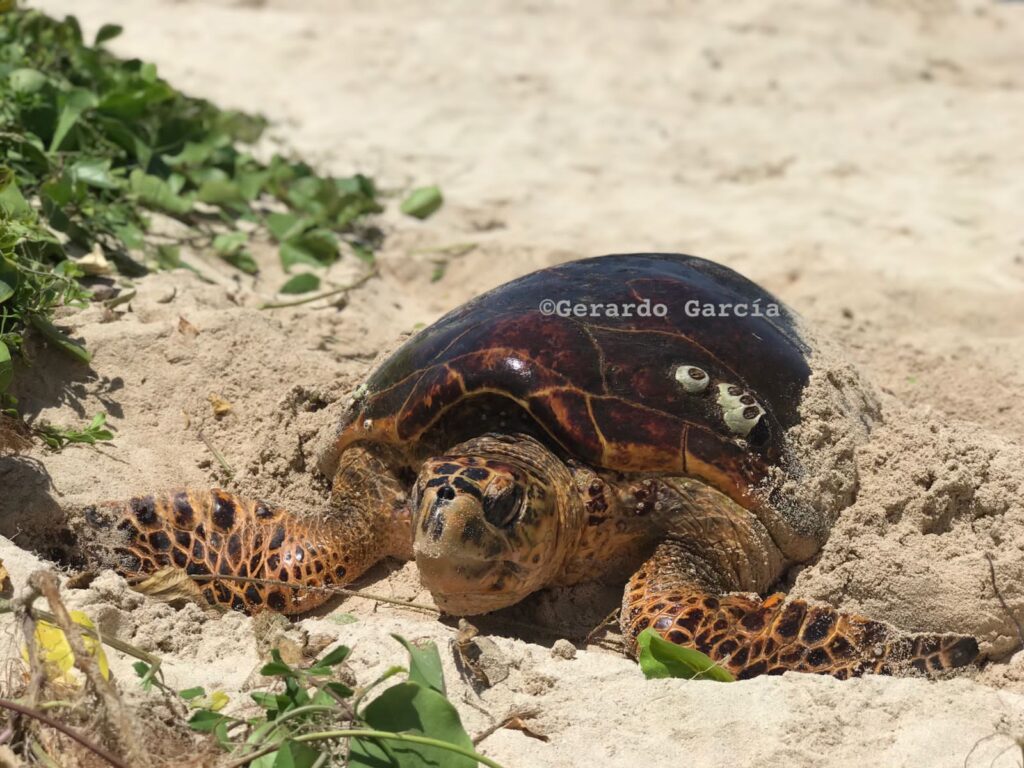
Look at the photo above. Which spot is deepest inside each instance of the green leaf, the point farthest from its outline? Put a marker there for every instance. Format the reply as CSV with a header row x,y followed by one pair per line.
x,y
72,105
131,99
266,700
12,202
303,283
220,191
335,657
26,80
244,261
240,126
206,721
251,184
94,172
107,32
158,193
230,242
424,664
276,667
6,368
293,253
285,226
339,689
168,257
130,235
59,191
192,693
660,658
412,708
422,202
295,754
320,242
5,291
230,246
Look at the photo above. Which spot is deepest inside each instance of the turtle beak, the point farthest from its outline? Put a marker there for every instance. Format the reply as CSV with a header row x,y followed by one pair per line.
x,y
470,586
461,556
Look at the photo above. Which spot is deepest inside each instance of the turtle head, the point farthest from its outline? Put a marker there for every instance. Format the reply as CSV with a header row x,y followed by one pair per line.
x,y
491,523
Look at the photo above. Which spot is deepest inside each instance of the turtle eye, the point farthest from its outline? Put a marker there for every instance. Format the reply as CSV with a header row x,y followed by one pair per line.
x,y
501,510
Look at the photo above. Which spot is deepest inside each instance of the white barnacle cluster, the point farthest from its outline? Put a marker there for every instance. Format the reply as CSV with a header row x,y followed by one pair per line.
x,y
740,408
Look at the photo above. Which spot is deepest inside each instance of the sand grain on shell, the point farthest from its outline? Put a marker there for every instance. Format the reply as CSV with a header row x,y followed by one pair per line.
x,y
854,158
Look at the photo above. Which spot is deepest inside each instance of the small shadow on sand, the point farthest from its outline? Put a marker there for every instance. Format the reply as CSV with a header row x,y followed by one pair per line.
x,y
55,379
30,516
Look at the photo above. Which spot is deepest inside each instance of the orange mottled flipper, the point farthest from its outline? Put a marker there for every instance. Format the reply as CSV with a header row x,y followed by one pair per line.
x,y
751,637
215,533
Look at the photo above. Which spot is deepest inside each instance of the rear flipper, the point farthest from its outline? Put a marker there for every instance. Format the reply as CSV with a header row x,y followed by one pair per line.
x,y
750,637
215,533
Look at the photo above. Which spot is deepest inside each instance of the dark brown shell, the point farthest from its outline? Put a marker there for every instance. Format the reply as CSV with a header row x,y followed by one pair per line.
x,y
603,390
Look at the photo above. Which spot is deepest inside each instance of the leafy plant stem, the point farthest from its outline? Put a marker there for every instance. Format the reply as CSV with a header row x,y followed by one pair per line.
x,y
328,294
272,725
357,733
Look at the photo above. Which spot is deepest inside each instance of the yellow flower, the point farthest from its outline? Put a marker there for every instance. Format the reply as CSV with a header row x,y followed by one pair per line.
x,y
55,651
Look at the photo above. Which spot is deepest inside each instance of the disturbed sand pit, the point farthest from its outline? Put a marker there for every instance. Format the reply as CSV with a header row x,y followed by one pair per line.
x,y
926,301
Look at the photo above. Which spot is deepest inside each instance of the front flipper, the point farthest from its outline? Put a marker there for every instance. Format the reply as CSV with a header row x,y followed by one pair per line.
x,y
211,534
676,594
215,533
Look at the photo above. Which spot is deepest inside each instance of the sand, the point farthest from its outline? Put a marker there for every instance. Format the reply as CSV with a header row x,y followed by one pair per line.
x,y
858,159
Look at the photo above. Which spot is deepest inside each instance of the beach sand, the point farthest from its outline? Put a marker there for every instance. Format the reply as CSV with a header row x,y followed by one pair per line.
x,y
858,159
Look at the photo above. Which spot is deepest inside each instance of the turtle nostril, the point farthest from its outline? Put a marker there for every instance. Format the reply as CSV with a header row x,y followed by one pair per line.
x,y
446,493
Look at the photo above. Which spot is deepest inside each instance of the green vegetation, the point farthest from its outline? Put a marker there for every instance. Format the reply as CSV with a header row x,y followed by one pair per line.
x,y
93,148
422,202
58,437
660,658
309,718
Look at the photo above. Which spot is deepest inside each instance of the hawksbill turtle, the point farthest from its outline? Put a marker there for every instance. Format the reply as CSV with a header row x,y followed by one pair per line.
x,y
593,420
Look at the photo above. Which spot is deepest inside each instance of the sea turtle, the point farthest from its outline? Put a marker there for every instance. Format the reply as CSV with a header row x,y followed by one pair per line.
x,y
621,417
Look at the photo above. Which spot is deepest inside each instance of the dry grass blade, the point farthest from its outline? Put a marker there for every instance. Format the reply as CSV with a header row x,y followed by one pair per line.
x,y
172,586
216,454
514,721
330,590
